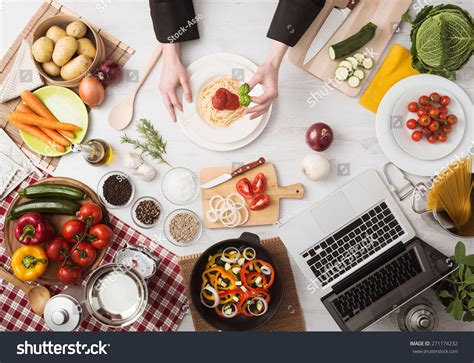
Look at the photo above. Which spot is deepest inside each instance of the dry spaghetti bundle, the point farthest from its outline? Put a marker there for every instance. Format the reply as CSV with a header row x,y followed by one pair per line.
x,y
451,192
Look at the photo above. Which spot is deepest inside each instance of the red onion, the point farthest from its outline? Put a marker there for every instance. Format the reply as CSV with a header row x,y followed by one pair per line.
x,y
319,136
109,72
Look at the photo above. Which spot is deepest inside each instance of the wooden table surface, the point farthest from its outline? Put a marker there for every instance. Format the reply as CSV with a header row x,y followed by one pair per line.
x,y
240,26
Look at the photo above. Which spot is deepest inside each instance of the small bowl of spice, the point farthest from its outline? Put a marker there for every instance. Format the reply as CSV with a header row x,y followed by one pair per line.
x,y
180,186
115,189
146,212
183,227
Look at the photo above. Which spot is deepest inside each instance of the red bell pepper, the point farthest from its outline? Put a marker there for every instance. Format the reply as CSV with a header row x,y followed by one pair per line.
x,y
33,229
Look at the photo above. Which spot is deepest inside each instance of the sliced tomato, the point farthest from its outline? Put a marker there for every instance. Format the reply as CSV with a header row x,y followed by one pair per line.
x,y
259,183
244,187
219,100
260,202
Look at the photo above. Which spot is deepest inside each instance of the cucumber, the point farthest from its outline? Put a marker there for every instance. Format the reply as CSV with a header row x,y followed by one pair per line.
x,y
353,43
347,65
44,206
353,61
353,82
359,73
342,73
360,57
52,191
368,63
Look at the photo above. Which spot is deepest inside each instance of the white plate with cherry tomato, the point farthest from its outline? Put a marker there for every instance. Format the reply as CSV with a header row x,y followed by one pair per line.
x,y
428,123
427,160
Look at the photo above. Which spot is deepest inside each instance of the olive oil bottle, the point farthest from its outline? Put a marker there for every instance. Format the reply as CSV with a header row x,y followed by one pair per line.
x,y
95,151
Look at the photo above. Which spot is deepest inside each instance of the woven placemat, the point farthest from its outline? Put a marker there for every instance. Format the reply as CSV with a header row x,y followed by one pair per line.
x,y
289,316
114,48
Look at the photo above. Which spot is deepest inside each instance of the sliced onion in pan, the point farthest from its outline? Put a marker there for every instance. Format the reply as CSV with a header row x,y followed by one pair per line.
x,y
233,259
265,270
214,294
255,301
234,310
212,215
249,249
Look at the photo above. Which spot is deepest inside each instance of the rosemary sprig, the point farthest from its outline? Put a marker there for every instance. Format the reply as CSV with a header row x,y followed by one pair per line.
x,y
152,144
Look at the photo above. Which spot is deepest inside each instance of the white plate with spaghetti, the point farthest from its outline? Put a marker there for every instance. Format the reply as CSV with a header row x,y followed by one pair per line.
x,y
202,120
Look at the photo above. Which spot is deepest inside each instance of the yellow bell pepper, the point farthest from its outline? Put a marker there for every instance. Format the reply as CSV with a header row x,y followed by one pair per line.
x,y
29,262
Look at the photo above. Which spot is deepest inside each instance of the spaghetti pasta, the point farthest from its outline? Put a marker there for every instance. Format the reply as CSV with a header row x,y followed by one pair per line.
x,y
218,118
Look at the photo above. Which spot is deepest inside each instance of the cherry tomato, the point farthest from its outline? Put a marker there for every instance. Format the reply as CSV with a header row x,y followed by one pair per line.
x,y
260,202
423,100
442,138
244,187
445,101
447,129
72,229
432,139
452,119
69,274
443,116
443,109
435,97
259,183
425,131
421,112
434,125
411,124
434,112
416,136
58,249
84,254
412,106
101,236
91,212
424,120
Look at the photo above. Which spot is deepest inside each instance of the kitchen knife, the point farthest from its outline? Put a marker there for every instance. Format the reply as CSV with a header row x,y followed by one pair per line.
x,y
330,26
227,176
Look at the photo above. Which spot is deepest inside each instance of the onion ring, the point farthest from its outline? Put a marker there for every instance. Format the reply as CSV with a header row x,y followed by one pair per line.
x,y
229,200
265,270
212,215
265,306
237,255
234,308
214,294
220,200
247,215
244,253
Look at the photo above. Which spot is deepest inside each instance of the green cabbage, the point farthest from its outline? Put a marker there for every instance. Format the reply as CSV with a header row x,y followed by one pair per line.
x,y
442,40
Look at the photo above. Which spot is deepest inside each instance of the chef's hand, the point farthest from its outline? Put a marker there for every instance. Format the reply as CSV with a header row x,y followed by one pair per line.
x,y
173,75
267,76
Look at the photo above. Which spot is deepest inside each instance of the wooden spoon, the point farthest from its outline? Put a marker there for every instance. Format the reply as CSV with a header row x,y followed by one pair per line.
x,y
121,115
38,296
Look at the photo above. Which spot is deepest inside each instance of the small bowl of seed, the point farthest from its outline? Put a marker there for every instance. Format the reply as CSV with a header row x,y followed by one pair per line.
x,y
115,190
183,227
146,212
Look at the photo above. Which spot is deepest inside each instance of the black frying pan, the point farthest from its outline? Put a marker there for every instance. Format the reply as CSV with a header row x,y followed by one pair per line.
x,y
239,323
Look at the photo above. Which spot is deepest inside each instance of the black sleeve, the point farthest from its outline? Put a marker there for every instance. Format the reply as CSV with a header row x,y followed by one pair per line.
x,y
292,18
174,20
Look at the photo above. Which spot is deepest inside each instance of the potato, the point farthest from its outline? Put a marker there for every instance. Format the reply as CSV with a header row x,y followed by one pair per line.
x,y
51,69
55,33
76,29
86,47
64,50
75,67
42,49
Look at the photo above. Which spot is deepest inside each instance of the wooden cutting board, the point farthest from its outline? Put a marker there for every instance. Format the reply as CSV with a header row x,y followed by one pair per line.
x,y
386,14
266,216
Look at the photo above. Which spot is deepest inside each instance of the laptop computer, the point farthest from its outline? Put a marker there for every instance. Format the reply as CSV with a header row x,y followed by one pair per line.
x,y
359,249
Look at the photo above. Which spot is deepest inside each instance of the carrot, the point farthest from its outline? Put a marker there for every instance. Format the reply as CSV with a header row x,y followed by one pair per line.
x,y
36,132
36,120
23,108
38,107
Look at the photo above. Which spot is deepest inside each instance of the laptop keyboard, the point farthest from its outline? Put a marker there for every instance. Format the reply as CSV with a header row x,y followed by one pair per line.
x,y
353,244
380,283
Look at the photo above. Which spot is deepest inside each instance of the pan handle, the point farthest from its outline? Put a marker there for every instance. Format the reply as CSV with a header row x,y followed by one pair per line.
x,y
420,191
250,237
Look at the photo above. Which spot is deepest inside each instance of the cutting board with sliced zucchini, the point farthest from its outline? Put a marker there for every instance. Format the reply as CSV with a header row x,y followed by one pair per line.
x,y
348,58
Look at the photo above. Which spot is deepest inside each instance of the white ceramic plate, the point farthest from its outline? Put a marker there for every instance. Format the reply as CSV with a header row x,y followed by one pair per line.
x,y
423,149
213,145
385,134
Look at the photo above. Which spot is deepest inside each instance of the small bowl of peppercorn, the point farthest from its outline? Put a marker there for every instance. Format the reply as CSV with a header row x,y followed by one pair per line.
x,y
146,212
183,227
115,190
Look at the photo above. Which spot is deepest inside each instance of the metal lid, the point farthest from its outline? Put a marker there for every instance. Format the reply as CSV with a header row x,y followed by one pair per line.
x,y
116,296
139,259
63,313
421,318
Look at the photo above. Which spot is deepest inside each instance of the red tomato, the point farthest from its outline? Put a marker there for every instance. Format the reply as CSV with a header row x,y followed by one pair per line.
x,y
434,125
69,274
260,202
58,249
434,112
412,106
443,109
443,116
101,236
424,120
220,99
423,100
259,183
72,229
447,129
84,254
425,131
435,97
244,187
416,136
421,112
432,139
452,119
91,212
411,124
233,101
445,101
442,138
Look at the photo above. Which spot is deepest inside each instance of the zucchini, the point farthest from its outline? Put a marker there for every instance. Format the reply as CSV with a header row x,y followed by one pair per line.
x,y
353,61
359,73
353,43
368,63
360,57
52,191
353,82
45,206
342,73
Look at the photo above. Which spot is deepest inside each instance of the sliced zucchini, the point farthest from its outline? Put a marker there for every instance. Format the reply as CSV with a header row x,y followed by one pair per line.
x,y
346,64
360,58
368,63
353,82
353,62
359,73
342,73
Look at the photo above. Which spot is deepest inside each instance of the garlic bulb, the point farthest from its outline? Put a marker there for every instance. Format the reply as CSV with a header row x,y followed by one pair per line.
x,y
133,160
145,172
316,166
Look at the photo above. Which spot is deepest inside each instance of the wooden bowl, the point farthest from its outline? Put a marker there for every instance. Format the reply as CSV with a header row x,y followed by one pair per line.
x,y
49,277
63,21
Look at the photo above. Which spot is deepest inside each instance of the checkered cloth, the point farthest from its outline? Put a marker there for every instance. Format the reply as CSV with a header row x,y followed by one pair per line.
x,y
167,302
